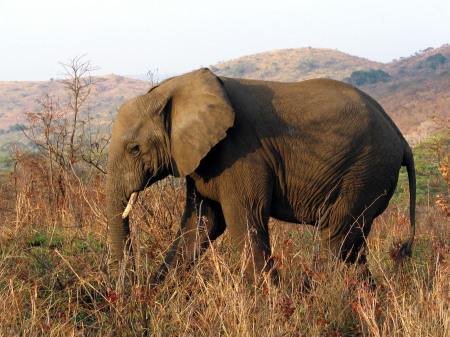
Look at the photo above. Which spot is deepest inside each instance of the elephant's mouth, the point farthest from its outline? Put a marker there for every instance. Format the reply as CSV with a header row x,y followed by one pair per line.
x,y
134,196
130,204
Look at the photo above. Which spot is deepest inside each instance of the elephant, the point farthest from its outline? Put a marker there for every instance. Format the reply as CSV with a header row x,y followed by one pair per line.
x,y
319,152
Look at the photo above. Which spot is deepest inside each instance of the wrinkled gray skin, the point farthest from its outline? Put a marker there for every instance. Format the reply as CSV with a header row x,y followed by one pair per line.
x,y
319,152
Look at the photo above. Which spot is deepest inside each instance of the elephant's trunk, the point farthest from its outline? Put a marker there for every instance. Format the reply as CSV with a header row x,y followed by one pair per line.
x,y
118,227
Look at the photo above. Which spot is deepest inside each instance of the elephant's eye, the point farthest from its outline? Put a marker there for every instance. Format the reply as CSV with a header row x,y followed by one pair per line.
x,y
134,148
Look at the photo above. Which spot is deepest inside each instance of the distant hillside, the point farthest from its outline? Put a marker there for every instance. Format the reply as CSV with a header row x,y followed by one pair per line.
x,y
412,90
291,65
110,92
418,90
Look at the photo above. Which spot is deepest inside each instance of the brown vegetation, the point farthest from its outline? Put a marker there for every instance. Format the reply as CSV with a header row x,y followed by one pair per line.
x,y
55,279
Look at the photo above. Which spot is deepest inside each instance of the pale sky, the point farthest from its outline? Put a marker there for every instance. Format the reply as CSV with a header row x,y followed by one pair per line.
x,y
175,36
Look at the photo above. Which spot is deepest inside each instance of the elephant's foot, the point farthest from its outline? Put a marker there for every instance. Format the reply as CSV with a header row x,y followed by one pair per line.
x,y
365,276
268,278
160,275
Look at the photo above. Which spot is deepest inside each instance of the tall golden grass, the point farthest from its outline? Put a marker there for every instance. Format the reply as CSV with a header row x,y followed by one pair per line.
x,y
55,277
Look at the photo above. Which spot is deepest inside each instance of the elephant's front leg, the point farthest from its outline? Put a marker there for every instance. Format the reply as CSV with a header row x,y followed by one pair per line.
x,y
201,224
248,228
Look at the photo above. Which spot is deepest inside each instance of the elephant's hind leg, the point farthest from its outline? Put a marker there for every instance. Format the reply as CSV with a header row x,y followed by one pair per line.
x,y
344,237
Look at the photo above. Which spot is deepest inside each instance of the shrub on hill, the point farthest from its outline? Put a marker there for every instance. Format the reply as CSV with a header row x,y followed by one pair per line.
x,y
12,128
371,76
434,61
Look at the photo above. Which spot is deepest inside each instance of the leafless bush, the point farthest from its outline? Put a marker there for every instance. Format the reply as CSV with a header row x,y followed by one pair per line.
x,y
61,181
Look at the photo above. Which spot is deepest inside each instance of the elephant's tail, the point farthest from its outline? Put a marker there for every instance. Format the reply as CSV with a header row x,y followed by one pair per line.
x,y
408,161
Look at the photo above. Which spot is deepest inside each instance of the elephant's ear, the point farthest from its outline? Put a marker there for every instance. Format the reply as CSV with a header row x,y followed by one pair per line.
x,y
200,115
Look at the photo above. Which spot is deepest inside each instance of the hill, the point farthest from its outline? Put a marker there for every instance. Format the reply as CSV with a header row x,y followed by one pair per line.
x,y
110,91
291,65
412,90
417,92
16,98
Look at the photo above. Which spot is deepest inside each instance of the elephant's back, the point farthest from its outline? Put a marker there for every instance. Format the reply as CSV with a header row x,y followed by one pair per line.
x,y
318,101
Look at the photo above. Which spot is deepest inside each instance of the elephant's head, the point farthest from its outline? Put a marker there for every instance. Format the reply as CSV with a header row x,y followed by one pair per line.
x,y
169,130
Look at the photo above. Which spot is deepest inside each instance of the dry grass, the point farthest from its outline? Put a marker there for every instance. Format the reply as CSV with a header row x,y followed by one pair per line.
x,y
55,279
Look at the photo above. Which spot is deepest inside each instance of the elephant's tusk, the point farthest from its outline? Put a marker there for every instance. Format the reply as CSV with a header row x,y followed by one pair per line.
x,y
130,204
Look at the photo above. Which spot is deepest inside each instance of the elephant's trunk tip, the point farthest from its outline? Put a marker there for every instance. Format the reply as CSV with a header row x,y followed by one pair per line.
x,y
130,204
